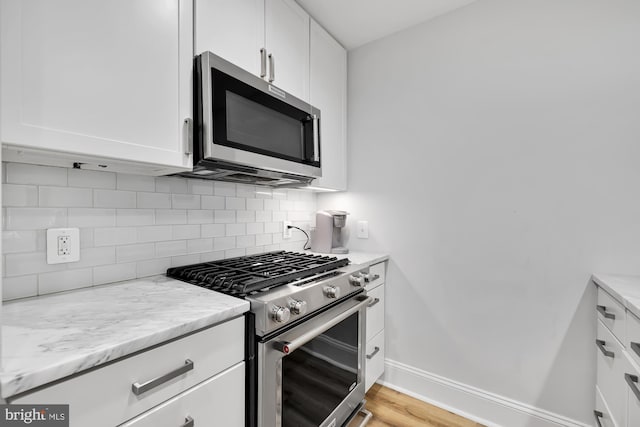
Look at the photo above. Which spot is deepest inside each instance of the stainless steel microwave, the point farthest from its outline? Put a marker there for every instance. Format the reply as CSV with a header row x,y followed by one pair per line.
x,y
246,130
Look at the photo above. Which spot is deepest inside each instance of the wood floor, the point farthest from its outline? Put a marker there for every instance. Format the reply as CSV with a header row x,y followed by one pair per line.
x,y
394,409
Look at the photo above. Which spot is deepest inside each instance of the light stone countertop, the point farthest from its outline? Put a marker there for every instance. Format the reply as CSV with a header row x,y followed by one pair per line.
x,y
50,337
625,289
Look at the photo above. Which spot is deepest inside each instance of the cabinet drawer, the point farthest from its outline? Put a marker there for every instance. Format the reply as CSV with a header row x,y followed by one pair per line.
x,y
632,342
104,396
602,411
374,360
611,313
376,270
375,312
218,400
633,413
610,378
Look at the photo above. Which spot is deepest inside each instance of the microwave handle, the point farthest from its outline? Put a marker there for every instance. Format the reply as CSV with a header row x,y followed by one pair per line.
x,y
316,138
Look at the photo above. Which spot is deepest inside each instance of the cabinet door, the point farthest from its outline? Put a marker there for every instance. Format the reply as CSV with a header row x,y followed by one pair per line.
x,y
232,29
374,363
328,82
375,311
108,79
287,41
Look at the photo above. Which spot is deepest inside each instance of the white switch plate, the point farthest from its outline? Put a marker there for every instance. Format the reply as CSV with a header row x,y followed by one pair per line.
x,y
63,245
286,231
363,229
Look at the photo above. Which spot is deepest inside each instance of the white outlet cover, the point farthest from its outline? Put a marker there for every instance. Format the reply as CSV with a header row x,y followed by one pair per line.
x,y
286,231
52,245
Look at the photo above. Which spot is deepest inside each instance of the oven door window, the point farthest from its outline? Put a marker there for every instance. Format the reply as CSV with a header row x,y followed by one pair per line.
x,y
318,376
248,119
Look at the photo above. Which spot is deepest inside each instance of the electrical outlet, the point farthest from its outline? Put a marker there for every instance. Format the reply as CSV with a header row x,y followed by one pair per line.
x,y
286,231
63,245
363,229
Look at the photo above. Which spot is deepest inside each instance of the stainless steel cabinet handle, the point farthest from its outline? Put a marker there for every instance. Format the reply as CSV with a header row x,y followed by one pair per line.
x,y
188,422
188,125
263,63
632,380
374,302
316,137
290,346
138,388
603,310
372,278
635,347
598,415
272,68
375,351
604,351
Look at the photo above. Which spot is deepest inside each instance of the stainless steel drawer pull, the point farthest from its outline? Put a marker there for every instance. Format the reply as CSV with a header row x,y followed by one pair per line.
x,y
138,388
188,422
632,380
374,302
375,351
603,310
272,68
598,415
371,278
263,63
604,351
635,347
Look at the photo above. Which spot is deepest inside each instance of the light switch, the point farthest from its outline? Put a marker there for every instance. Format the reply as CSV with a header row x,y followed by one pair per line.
x,y
363,229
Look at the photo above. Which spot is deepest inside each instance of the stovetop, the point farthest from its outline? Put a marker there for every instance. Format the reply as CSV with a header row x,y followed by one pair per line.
x,y
248,275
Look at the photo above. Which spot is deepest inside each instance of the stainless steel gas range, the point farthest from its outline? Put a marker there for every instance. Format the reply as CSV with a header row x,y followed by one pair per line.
x,y
305,334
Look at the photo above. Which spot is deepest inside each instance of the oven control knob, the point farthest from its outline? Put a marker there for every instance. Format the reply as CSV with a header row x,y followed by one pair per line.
x,y
298,307
280,314
357,279
332,292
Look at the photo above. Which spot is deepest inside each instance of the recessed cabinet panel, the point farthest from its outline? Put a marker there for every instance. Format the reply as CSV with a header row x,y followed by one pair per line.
x,y
375,312
105,79
611,313
232,29
287,41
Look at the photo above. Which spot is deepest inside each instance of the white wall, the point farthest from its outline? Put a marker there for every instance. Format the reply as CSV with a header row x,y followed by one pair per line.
x,y
133,225
496,153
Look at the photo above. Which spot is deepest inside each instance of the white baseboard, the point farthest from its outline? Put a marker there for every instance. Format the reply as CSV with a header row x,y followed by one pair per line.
x,y
475,404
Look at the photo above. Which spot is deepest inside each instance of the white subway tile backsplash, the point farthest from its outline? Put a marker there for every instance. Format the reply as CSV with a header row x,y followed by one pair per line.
x,y
89,217
19,241
181,232
199,245
21,173
136,182
65,197
153,200
134,217
19,195
212,202
199,216
171,216
114,199
19,287
134,226
34,218
224,189
236,230
234,203
185,201
115,236
213,230
91,179
135,252
114,273
155,233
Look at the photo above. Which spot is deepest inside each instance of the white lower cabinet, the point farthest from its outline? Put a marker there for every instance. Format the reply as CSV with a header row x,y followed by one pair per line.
x,y
602,412
374,359
610,361
107,396
217,401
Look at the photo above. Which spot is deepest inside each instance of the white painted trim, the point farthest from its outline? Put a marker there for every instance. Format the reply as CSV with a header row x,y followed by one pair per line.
x,y
470,402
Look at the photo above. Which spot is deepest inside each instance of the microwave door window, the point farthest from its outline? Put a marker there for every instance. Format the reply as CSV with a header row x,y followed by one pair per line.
x,y
262,129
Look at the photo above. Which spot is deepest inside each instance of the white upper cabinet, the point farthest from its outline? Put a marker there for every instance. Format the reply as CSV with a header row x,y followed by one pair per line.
x,y
328,80
287,43
95,79
238,30
232,29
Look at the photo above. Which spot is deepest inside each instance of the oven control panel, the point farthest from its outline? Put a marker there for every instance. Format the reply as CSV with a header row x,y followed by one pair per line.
x,y
286,304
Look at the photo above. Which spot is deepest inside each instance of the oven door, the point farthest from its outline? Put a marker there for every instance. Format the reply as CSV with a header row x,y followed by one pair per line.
x,y
313,375
244,120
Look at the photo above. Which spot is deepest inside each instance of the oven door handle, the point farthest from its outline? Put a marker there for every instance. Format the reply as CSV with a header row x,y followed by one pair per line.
x,y
287,347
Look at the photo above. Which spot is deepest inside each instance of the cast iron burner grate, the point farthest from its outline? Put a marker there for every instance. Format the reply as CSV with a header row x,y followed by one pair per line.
x,y
248,274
